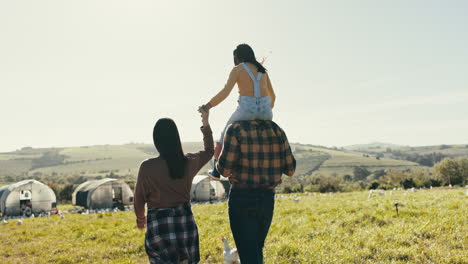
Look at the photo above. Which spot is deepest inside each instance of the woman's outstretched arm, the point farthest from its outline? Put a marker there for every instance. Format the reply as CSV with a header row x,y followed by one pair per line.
x,y
224,93
207,153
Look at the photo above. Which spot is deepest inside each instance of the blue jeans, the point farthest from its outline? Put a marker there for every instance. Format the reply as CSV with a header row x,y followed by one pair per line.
x,y
250,108
250,215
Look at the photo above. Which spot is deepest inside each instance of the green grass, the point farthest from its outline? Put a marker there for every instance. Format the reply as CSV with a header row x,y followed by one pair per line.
x,y
339,228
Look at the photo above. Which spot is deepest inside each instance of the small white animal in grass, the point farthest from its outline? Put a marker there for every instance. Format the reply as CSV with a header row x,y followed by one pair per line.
x,y
4,222
20,222
62,216
230,255
297,200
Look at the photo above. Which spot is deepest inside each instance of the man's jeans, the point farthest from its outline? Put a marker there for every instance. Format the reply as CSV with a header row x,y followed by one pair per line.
x,y
250,215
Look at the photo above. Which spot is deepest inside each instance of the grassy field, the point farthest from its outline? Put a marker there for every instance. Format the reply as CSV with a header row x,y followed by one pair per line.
x,y
342,162
432,227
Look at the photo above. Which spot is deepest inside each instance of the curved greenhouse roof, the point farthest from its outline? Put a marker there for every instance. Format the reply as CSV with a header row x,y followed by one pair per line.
x,y
26,197
93,184
104,193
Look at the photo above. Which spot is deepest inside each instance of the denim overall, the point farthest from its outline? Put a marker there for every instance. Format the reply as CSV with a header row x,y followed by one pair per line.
x,y
251,108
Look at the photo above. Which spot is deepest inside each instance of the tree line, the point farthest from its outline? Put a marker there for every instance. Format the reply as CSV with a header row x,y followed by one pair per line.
x,y
447,172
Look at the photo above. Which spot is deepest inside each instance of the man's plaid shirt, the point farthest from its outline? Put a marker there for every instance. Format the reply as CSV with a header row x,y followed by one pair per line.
x,y
255,154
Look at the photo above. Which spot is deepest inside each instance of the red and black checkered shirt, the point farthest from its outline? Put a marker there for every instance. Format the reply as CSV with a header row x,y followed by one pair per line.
x,y
255,154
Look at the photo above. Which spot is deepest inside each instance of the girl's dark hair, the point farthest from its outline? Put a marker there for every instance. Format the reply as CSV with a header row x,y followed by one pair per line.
x,y
167,142
245,53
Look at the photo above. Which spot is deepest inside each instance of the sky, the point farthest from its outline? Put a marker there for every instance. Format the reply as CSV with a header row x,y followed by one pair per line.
x,y
76,73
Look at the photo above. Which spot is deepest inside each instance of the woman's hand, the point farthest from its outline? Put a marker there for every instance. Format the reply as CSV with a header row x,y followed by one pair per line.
x,y
205,107
201,108
141,226
205,114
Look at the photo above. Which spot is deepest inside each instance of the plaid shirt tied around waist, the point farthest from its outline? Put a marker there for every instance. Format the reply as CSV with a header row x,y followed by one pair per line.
x,y
172,235
255,154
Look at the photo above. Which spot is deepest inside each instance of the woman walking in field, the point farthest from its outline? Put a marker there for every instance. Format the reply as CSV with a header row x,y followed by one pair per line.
x,y
164,185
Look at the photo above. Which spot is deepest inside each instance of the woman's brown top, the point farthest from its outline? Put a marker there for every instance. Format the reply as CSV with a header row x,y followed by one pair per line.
x,y
157,189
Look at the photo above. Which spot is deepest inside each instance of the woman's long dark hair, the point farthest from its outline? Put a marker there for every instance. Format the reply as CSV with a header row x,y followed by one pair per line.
x,y
245,53
167,141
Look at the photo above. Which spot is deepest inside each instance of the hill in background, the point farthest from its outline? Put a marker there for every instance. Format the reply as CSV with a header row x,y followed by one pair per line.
x,y
71,164
373,145
452,151
423,155
77,164
342,162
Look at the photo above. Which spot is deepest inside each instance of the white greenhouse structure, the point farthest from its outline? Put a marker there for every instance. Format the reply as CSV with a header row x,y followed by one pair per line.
x,y
103,194
25,198
204,189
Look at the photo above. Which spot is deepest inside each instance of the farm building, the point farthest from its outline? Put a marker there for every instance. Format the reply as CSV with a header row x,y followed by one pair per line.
x,y
204,189
103,194
26,198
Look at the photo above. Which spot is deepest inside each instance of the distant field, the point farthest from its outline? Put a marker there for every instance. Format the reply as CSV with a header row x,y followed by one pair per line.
x,y
452,150
124,160
98,160
14,167
88,161
343,162
432,227
309,160
460,150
